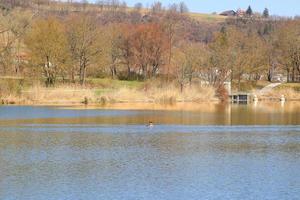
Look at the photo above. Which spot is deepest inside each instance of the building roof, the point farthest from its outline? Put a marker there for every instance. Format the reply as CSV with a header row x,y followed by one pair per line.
x,y
228,13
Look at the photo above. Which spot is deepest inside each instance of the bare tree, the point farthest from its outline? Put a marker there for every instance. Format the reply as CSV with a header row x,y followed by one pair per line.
x,y
183,7
157,7
48,46
138,6
84,40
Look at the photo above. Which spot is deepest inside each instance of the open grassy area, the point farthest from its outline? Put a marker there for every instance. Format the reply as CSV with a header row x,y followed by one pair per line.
x,y
106,85
250,86
202,17
294,86
261,84
113,83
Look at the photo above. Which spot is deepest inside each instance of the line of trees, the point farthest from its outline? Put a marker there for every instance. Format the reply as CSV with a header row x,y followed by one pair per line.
x,y
143,44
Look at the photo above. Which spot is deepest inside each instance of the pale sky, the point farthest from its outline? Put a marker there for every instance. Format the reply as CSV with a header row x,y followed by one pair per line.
x,y
276,7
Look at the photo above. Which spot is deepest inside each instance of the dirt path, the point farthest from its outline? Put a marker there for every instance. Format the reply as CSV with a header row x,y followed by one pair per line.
x,y
269,87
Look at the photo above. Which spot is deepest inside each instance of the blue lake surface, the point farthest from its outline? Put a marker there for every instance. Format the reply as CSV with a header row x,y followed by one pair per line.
x,y
235,152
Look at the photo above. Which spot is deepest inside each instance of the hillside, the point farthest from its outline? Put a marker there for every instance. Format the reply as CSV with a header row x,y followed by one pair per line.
x,y
62,7
151,55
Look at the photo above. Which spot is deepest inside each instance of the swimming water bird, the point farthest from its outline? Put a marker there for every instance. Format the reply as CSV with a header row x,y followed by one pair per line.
x,y
150,124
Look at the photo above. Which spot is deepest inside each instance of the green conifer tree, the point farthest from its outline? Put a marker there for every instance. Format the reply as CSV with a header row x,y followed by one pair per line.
x,y
249,11
266,13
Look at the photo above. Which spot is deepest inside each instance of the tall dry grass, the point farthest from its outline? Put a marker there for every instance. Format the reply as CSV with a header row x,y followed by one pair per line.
x,y
189,94
170,94
13,92
288,93
10,90
155,92
58,95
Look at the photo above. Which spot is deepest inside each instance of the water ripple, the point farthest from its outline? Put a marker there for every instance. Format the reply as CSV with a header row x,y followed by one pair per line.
x,y
119,129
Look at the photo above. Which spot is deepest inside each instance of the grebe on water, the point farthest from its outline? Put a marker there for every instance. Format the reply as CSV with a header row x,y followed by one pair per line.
x,y
150,125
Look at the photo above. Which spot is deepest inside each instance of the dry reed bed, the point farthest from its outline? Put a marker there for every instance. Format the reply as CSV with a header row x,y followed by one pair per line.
x,y
76,95
159,95
288,93
43,95
64,95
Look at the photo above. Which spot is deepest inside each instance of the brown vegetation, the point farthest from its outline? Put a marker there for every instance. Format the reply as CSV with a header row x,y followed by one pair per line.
x,y
289,94
177,57
77,94
167,95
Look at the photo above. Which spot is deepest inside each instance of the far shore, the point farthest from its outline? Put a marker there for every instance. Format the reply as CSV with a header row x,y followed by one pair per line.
x,y
131,101
204,106
106,92
90,105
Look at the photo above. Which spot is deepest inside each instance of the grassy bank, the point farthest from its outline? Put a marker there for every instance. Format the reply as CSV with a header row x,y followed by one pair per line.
x,y
104,91
100,91
290,91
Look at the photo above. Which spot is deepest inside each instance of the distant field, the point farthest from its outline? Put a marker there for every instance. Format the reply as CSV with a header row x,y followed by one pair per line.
x,y
207,17
202,17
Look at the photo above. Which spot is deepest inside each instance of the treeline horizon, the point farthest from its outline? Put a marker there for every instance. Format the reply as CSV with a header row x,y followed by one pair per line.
x,y
53,41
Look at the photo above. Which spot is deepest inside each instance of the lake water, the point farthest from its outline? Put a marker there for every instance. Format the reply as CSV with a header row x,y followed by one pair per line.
x,y
205,152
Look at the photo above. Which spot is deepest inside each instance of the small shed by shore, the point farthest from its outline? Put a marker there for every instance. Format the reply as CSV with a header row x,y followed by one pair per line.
x,y
240,98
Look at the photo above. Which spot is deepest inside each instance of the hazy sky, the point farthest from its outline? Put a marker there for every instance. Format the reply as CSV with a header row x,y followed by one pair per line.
x,y
277,7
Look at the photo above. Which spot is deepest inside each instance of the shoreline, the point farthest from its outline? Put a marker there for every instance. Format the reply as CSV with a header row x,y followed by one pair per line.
x,y
99,104
102,103
105,104
142,105
87,97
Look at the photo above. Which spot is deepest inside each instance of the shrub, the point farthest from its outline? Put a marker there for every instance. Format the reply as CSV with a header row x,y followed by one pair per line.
x,y
222,93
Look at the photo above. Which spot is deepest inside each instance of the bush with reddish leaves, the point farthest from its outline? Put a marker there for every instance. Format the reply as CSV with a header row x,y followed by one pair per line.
x,y
222,93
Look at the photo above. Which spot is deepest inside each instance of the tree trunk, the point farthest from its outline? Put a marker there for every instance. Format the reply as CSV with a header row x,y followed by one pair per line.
x,y
82,75
113,71
181,87
190,79
73,75
83,65
270,74
169,64
298,78
154,70
293,74
128,72
145,72
239,82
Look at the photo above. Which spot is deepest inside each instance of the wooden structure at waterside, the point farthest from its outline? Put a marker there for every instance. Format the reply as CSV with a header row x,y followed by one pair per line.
x,y
240,98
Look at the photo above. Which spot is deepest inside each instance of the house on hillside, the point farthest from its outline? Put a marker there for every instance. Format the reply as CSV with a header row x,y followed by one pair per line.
x,y
240,13
228,13
146,18
232,13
